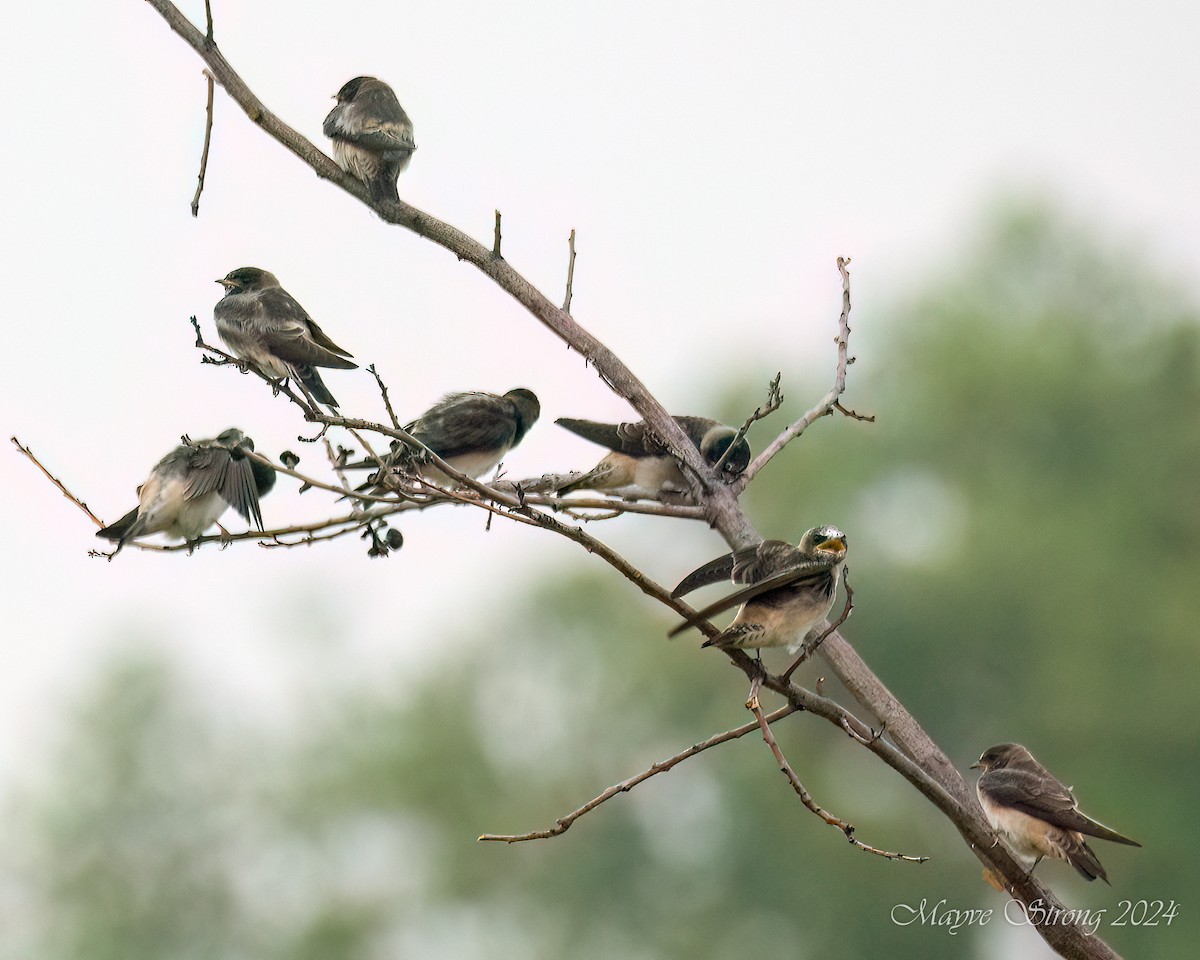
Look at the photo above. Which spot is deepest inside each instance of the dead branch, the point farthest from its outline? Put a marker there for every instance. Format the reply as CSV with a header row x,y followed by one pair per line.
x,y
806,797
562,824
208,125
62,488
774,400
826,403
570,274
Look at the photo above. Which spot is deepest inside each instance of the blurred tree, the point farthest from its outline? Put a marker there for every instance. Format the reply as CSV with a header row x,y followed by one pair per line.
x,y
1024,525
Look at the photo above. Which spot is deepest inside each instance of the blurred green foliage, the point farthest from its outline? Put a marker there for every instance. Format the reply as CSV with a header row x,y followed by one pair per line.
x,y
1024,520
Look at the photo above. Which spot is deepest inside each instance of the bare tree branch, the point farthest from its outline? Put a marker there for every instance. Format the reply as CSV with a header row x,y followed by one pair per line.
x,y
562,824
383,391
806,798
774,400
570,274
62,488
827,402
208,125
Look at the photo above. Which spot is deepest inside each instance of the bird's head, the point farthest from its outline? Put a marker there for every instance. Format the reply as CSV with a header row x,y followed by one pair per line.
x,y
527,405
235,440
713,446
247,279
826,542
351,88
1001,756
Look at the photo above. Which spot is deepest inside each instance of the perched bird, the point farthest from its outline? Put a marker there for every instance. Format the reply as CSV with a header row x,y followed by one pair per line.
x,y
189,489
789,590
1035,814
470,431
640,467
264,324
372,135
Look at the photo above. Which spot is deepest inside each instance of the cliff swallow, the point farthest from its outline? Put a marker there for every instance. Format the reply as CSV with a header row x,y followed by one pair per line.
x,y
261,322
470,431
189,489
1035,814
640,467
789,590
372,135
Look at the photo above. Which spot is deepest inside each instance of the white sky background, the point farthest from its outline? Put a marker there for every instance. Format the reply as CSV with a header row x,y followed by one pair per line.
x,y
714,165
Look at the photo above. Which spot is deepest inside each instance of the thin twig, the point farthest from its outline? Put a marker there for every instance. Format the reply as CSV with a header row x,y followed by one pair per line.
x,y
208,125
855,735
570,274
774,399
62,488
826,403
383,390
853,414
562,824
308,540
496,239
806,798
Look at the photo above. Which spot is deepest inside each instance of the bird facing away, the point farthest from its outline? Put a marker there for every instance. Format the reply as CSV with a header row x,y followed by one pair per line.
x,y
372,135
189,489
470,431
640,467
261,322
789,590
1035,813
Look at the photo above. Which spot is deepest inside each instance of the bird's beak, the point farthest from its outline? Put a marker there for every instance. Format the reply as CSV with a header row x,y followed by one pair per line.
x,y
975,766
223,282
833,543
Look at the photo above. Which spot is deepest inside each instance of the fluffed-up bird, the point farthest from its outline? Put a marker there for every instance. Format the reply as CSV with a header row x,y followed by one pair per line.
x,y
789,590
263,323
471,431
189,489
640,467
372,135
1036,814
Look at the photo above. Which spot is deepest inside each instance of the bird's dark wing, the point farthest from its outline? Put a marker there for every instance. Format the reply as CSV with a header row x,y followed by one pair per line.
x,y
630,439
813,573
1041,795
292,335
465,423
374,120
764,560
213,467
743,566
207,464
635,439
712,572
241,492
